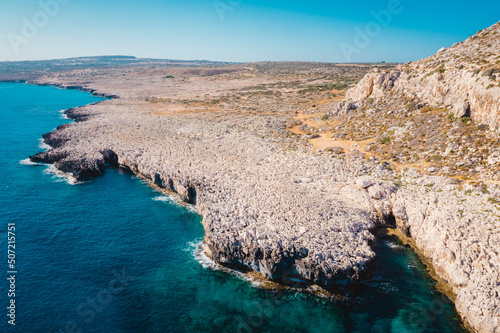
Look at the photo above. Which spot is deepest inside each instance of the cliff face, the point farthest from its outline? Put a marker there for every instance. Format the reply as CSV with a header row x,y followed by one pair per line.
x,y
459,233
465,78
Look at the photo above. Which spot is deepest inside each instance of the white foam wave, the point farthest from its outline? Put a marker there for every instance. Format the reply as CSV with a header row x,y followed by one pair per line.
x,y
196,248
60,176
176,201
63,115
43,145
192,209
165,198
27,161
393,245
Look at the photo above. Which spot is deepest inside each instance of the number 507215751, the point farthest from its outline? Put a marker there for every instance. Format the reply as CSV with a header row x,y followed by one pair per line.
x,y
11,247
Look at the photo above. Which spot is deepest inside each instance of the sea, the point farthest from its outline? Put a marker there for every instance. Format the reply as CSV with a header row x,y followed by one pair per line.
x,y
113,255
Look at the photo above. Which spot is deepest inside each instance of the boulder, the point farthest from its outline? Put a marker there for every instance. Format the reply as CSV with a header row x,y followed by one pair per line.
x,y
342,108
364,182
452,148
461,110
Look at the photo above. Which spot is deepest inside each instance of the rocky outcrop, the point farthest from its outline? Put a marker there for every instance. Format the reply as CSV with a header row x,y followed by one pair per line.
x,y
82,169
342,108
93,92
265,209
373,85
460,236
465,77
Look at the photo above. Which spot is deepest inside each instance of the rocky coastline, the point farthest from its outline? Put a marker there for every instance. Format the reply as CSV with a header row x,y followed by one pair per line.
x,y
93,92
298,213
259,254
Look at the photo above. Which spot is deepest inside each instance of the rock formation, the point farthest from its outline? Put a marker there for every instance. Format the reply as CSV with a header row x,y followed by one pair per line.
x,y
465,77
279,213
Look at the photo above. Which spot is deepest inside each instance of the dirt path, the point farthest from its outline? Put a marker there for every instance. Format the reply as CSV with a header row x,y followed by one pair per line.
x,y
325,141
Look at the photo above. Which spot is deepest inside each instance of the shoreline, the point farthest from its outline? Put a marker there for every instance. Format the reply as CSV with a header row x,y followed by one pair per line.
x,y
258,280
93,92
441,285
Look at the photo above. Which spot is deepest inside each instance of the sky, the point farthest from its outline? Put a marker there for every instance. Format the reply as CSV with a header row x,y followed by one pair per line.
x,y
239,30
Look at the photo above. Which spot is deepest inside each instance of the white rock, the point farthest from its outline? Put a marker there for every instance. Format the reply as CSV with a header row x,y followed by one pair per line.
x,y
494,158
364,182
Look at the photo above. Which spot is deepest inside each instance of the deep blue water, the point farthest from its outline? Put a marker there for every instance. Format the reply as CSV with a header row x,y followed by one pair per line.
x,y
112,255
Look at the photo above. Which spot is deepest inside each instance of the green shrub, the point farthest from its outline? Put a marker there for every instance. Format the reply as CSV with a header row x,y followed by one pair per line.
x,y
436,158
490,72
384,140
451,116
411,106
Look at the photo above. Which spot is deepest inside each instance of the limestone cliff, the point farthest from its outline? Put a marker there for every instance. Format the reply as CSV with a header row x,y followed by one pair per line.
x,y
464,77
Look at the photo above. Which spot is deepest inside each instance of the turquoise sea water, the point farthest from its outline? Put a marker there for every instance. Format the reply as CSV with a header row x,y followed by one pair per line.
x,y
112,255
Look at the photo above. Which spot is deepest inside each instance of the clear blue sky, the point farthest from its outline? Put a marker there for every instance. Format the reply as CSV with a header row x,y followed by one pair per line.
x,y
232,30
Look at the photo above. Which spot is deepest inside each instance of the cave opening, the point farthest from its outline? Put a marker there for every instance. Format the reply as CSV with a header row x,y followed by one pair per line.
x,y
390,220
191,195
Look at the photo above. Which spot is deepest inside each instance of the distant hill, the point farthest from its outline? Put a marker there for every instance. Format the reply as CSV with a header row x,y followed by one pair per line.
x,y
31,70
